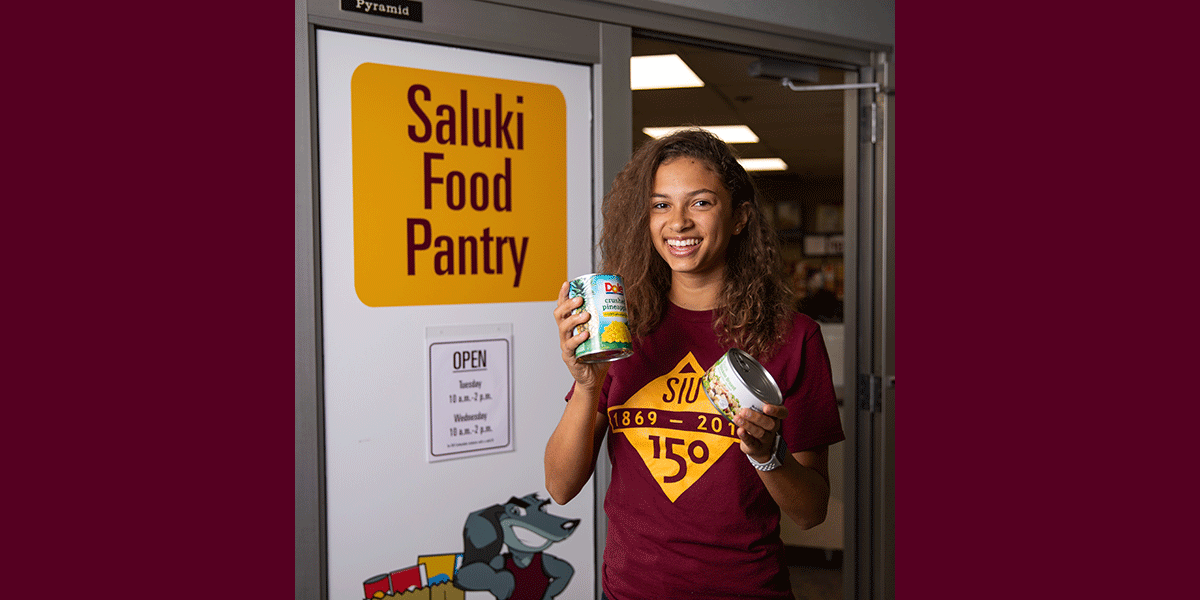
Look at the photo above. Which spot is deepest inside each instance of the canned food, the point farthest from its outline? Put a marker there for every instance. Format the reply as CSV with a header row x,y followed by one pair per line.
x,y
737,380
378,586
604,298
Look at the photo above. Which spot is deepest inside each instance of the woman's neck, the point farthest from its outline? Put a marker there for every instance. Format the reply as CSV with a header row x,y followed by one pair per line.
x,y
696,292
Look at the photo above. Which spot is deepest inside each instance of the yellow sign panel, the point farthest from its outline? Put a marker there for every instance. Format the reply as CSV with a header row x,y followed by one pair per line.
x,y
460,188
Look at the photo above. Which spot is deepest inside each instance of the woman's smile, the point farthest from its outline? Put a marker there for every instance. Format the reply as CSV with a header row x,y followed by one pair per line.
x,y
683,247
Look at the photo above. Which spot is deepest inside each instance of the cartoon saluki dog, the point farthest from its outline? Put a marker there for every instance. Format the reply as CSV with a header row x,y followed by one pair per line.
x,y
525,572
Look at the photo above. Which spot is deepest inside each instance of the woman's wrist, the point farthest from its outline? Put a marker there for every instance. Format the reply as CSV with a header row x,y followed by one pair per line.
x,y
587,391
772,461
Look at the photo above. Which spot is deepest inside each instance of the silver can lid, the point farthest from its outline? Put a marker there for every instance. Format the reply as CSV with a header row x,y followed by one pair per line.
x,y
755,376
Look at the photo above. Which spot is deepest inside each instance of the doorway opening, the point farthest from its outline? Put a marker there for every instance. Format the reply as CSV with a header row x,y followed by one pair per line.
x,y
804,199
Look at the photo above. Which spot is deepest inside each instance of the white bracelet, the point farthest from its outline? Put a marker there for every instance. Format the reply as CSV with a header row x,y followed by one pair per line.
x,y
775,461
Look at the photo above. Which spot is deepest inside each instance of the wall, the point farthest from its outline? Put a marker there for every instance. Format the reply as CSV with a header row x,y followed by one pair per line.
x,y
871,21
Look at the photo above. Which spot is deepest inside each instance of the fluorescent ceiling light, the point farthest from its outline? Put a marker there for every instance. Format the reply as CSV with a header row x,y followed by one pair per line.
x,y
763,164
730,134
659,72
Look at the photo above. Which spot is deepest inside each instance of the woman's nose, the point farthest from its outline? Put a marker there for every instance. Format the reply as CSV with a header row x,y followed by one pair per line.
x,y
680,219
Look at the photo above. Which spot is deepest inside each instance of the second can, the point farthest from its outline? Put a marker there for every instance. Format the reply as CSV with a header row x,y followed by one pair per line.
x,y
737,380
608,330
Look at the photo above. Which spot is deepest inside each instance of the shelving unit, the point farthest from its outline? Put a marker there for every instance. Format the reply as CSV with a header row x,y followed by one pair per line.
x,y
808,215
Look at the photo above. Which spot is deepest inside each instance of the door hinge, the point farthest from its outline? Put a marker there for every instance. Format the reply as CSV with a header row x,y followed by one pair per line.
x,y
869,123
874,122
870,393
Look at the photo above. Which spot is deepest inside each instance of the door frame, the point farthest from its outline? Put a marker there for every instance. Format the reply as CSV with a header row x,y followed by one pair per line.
x,y
597,34
870,341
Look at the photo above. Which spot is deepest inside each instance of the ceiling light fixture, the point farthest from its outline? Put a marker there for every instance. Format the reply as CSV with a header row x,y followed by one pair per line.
x,y
763,164
661,71
730,134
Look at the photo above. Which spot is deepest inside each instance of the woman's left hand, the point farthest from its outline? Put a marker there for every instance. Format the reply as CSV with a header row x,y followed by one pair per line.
x,y
758,430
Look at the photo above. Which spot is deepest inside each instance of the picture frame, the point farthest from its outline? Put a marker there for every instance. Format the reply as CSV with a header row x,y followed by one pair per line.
x,y
788,215
815,245
829,218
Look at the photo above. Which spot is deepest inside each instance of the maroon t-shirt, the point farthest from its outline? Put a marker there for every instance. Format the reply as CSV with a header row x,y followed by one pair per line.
x,y
688,516
531,580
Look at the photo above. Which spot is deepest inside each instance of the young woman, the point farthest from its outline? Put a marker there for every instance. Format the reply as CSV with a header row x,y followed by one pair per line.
x,y
694,502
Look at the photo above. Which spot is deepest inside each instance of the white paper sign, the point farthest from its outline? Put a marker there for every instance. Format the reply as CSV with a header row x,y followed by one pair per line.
x,y
470,407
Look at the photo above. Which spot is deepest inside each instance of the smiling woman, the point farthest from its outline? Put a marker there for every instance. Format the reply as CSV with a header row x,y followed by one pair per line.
x,y
683,228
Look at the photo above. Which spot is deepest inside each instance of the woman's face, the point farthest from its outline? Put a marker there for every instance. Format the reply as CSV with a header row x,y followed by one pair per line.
x,y
692,217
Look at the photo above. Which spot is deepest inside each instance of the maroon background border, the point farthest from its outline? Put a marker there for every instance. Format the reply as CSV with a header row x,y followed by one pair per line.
x,y
1046,302
149,303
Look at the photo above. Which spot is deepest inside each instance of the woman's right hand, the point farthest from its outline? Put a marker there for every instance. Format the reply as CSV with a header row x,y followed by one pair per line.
x,y
589,375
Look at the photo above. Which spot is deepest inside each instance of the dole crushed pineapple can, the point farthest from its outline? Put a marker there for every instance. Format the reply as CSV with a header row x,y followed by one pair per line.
x,y
608,330
737,380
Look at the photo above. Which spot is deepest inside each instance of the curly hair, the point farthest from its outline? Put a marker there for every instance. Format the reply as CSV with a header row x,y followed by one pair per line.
x,y
755,308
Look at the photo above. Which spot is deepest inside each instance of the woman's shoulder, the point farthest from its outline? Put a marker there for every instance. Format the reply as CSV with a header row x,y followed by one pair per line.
x,y
802,326
803,331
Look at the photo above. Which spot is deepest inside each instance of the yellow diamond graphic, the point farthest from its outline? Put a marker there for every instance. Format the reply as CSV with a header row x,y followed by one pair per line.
x,y
674,428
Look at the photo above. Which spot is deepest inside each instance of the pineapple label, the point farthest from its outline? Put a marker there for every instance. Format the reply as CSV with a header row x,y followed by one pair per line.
x,y
460,188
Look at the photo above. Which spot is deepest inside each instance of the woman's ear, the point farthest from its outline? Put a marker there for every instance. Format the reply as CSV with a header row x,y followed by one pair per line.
x,y
741,217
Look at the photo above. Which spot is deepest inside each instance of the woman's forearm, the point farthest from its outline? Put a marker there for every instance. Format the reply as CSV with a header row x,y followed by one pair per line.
x,y
572,448
801,487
